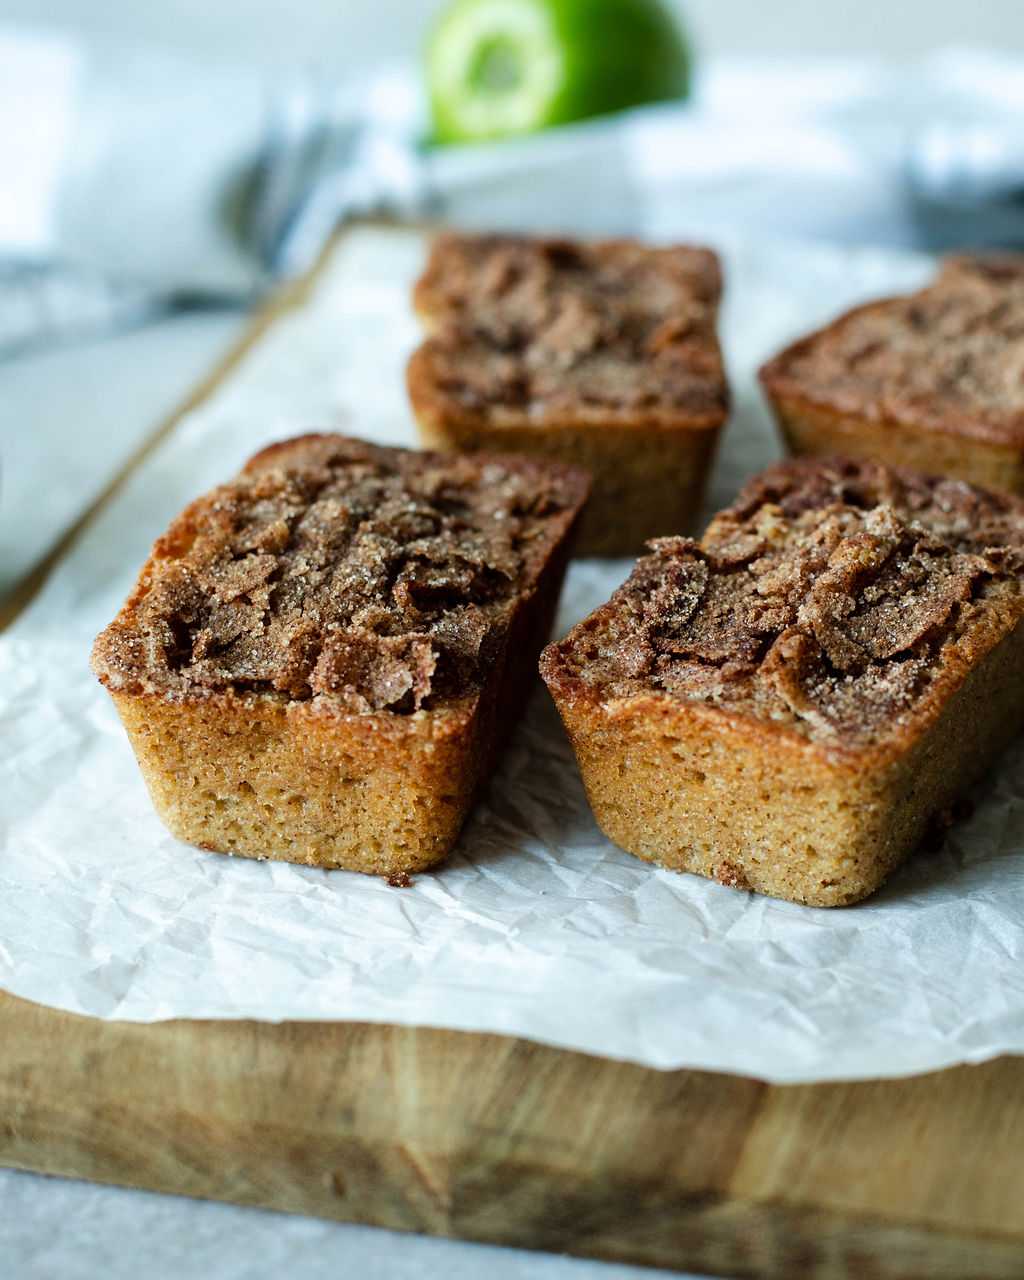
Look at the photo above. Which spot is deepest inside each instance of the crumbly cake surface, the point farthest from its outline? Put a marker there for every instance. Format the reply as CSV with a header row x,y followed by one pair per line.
x,y
332,568
550,328
791,704
950,356
322,660
827,599
603,355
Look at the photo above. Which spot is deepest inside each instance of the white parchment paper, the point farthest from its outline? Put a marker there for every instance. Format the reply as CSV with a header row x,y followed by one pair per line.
x,y
537,925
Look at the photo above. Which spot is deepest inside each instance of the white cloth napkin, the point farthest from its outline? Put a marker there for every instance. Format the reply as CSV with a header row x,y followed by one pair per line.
x,y
134,177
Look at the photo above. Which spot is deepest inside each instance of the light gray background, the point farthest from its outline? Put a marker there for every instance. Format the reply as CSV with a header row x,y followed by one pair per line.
x,y
283,31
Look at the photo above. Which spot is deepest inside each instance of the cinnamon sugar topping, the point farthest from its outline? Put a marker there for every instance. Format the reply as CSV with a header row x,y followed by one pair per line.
x,y
552,326
378,578
826,597
950,353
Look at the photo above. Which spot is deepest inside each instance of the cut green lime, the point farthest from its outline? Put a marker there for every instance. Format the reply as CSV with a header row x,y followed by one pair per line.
x,y
501,67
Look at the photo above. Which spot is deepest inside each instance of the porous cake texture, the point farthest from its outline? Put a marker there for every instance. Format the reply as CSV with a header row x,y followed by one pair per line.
x,y
934,380
321,660
602,354
788,705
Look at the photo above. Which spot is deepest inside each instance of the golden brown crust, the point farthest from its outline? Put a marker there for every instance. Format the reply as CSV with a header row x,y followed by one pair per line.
x,y
267,778
932,380
602,354
692,789
321,660
809,428
664,466
795,681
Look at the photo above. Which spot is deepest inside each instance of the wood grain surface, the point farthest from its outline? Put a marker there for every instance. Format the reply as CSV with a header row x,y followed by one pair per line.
x,y
496,1139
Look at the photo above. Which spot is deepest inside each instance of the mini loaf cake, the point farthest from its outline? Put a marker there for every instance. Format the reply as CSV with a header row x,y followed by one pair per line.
x,y
934,380
788,705
600,354
321,660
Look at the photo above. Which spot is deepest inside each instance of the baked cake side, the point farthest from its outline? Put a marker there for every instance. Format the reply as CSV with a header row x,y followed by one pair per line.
x,y
322,660
603,355
790,704
933,380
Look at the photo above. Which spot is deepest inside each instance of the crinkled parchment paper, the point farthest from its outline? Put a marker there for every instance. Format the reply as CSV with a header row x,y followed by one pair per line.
x,y
536,925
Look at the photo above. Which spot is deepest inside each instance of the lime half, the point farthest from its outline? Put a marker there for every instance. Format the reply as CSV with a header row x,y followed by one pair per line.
x,y
502,67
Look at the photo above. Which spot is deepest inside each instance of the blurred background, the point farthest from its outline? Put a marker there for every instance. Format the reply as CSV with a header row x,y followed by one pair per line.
x,y
279,32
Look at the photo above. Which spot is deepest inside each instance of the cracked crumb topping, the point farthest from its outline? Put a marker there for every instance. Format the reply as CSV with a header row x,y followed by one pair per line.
x,y
830,597
532,327
379,578
951,354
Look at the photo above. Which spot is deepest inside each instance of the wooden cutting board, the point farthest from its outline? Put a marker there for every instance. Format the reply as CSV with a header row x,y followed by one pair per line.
x,y
496,1139
489,1138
